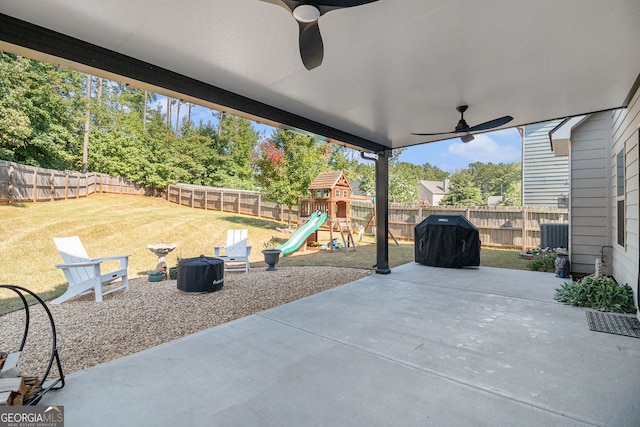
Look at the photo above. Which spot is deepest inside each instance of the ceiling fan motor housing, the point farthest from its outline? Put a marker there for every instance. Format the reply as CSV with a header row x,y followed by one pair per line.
x,y
462,126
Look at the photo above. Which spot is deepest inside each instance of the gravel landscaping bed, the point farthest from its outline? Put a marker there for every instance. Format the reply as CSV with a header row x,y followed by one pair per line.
x,y
152,313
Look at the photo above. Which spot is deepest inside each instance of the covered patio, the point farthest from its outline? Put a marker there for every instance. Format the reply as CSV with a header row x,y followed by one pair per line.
x,y
424,346
389,68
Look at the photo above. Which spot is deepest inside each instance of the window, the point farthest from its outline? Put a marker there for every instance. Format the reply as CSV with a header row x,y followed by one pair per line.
x,y
620,196
345,193
337,193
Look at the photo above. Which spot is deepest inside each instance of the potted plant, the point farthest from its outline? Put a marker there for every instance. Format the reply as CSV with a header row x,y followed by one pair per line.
x,y
173,271
271,254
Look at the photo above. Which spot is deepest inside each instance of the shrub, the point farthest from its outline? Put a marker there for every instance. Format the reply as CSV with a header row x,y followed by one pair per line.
x,y
602,294
546,261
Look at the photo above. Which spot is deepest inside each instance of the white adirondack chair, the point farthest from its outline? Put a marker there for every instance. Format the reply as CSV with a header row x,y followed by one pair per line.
x,y
83,273
236,252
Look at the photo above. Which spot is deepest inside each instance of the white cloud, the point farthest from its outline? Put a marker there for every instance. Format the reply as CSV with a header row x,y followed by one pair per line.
x,y
485,149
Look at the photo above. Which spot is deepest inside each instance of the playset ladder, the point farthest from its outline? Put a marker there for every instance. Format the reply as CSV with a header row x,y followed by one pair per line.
x,y
346,234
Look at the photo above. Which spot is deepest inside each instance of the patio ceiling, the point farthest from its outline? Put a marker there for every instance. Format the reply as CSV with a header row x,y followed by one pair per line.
x,y
390,68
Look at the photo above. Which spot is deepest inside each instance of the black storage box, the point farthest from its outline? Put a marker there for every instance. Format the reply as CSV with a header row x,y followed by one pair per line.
x,y
201,274
447,241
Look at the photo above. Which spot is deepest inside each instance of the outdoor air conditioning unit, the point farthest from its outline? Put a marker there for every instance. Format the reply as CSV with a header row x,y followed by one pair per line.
x,y
554,236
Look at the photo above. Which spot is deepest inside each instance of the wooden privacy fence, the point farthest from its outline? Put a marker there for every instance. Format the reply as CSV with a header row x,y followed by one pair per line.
x,y
243,202
21,183
498,226
502,226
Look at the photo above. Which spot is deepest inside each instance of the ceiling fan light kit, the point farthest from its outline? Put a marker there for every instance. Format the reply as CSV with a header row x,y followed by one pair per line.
x,y
467,137
306,13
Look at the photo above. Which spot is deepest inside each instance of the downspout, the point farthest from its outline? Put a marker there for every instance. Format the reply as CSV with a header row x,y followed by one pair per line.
x,y
382,209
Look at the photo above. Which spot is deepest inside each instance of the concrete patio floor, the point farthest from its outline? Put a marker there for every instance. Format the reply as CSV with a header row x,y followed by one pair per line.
x,y
420,346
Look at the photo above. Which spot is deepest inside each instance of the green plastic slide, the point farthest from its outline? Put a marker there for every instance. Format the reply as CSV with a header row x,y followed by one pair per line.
x,y
301,234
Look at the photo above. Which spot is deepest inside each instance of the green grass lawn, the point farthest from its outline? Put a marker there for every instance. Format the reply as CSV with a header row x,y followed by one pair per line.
x,y
119,224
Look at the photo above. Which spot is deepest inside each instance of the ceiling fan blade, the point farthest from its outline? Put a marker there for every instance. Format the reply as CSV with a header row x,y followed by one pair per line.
x,y
490,124
338,3
287,4
311,46
433,134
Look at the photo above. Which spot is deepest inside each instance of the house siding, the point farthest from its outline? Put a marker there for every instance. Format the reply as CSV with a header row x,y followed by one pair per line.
x,y
625,131
545,177
589,224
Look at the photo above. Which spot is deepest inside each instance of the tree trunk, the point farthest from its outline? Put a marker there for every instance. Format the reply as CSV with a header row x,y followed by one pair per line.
x,y
168,111
178,117
87,122
144,113
99,94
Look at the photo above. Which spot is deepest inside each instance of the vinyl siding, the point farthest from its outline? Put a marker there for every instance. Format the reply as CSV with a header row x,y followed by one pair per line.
x,y
589,225
626,123
545,177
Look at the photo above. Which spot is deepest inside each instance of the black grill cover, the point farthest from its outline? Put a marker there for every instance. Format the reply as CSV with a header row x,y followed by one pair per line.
x,y
447,241
201,274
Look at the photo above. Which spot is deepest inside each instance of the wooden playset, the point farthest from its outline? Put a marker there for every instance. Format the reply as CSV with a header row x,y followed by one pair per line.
x,y
330,194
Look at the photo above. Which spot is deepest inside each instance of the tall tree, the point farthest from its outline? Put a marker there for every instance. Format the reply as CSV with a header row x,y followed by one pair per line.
x,y
433,173
40,113
403,182
462,191
235,141
340,161
494,179
513,195
87,126
287,163
403,179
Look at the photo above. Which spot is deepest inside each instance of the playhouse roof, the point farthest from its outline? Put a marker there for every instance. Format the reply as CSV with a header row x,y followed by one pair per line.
x,y
329,180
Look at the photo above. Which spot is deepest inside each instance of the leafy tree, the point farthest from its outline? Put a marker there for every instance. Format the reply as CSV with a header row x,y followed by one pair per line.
x,y
287,163
513,195
235,140
40,113
403,179
340,161
433,173
494,179
462,191
366,174
403,182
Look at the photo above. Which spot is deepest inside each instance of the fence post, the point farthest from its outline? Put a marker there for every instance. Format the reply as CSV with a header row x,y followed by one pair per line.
x,y
259,205
239,195
525,232
34,188
10,186
53,186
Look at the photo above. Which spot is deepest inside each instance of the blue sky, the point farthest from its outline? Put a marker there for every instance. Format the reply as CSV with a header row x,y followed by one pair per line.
x,y
504,146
